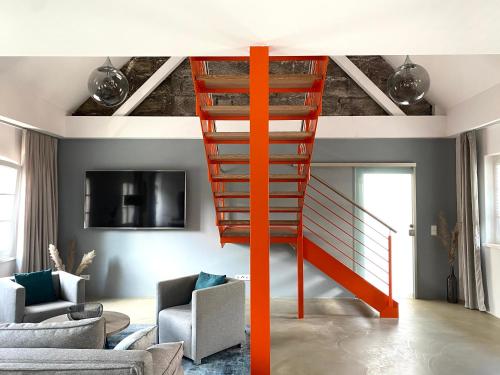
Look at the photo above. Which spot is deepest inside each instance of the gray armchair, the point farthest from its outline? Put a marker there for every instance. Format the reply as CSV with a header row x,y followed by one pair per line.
x,y
69,289
207,320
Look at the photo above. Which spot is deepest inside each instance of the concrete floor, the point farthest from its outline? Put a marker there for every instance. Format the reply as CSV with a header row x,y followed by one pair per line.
x,y
344,336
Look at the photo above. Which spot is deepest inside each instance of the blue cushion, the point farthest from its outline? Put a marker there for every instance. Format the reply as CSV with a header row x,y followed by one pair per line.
x,y
38,286
206,280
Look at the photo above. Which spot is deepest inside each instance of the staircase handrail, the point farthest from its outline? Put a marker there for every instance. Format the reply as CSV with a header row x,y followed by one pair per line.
x,y
354,203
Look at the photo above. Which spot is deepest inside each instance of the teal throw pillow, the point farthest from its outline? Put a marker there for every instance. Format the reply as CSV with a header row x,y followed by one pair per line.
x,y
38,286
206,280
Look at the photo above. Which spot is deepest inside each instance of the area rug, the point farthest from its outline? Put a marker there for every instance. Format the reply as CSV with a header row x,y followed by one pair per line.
x,y
233,361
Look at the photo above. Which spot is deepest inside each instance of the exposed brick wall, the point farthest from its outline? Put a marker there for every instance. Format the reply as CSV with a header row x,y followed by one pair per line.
x,y
175,95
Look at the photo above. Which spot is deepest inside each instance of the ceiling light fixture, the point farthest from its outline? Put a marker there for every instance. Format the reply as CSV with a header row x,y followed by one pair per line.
x,y
107,85
409,83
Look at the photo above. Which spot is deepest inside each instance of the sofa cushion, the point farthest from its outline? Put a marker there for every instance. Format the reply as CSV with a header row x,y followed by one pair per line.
x,y
167,358
44,311
175,325
206,280
81,334
38,285
140,340
75,361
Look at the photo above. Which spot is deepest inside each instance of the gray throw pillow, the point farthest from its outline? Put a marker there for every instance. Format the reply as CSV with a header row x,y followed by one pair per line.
x,y
75,334
167,358
140,340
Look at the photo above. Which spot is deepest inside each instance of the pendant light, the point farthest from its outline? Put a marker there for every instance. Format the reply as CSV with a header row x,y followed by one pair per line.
x,y
107,85
409,83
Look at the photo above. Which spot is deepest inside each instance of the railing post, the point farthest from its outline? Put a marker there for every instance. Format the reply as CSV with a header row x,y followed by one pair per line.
x,y
389,247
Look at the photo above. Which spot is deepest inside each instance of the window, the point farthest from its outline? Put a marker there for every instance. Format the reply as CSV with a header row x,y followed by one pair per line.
x,y
8,208
495,232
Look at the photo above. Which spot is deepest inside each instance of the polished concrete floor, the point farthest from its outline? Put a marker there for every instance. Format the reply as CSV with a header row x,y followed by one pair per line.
x,y
344,336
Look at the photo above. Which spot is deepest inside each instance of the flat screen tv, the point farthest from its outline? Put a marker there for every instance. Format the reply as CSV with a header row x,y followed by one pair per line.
x,y
135,199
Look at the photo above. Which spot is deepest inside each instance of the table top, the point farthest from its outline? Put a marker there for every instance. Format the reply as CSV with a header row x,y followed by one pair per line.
x,y
115,321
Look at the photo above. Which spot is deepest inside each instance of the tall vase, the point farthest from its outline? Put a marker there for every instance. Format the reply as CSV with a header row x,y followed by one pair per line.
x,y
452,284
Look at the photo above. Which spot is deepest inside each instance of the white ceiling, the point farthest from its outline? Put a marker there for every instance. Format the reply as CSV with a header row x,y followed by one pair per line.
x,y
454,79
60,81
228,27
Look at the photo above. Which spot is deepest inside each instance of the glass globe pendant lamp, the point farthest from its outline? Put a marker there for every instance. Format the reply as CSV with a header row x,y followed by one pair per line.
x,y
409,83
107,85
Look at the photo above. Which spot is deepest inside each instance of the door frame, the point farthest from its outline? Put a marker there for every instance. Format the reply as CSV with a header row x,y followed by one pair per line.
x,y
413,166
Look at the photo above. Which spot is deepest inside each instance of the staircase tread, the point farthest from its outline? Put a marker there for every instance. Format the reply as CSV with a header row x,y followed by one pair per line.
x,y
283,136
272,176
246,194
246,157
247,222
247,209
244,110
245,232
236,81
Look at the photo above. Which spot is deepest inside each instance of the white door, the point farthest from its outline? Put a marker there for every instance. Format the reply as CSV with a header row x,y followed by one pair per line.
x,y
388,193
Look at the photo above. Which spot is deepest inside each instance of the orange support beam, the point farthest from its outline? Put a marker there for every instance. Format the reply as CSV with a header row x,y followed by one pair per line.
x,y
300,272
260,315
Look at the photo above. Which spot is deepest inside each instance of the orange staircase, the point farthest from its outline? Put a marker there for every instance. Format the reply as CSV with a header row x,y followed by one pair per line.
x,y
330,231
230,189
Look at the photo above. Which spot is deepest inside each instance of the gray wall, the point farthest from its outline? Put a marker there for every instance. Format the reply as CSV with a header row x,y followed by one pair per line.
x,y
128,263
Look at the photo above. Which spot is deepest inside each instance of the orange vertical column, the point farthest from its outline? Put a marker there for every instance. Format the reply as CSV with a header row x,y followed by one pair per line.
x,y
260,336
300,270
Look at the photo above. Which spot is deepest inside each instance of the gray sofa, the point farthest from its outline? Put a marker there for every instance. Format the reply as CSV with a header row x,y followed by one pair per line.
x,y
75,347
207,320
70,290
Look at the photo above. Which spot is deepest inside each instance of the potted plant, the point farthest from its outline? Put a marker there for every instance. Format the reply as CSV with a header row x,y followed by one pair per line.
x,y
449,240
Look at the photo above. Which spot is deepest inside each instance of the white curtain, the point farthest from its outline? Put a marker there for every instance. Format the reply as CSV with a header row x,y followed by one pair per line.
x,y
39,184
469,246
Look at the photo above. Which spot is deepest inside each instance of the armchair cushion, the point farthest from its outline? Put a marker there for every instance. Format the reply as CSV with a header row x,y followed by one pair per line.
x,y
38,285
206,280
176,325
43,311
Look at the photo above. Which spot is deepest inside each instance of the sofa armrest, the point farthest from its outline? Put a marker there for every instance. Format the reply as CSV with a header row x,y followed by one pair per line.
x,y
12,297
174,292
72,287
218,312
167,358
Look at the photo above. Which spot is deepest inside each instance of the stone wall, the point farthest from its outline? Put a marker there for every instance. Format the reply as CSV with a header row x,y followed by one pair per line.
x,y
175,96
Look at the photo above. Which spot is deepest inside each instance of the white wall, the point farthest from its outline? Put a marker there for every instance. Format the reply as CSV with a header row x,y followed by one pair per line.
x,y
10,143
488,144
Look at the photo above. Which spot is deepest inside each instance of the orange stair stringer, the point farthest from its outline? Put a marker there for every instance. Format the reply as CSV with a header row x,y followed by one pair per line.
x,y
350,280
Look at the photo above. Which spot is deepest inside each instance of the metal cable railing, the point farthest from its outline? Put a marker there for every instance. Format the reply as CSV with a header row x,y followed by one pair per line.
x,y
355,236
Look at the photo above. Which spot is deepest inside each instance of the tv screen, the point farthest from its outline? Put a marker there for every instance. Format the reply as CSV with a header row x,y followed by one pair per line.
x,y
135,199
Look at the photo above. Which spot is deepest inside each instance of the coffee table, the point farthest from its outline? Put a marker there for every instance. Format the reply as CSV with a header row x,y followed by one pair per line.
x,y
115,321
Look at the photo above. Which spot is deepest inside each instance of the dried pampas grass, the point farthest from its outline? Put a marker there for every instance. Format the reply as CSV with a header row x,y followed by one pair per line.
x,y
59,265
448,239
86,261
56,258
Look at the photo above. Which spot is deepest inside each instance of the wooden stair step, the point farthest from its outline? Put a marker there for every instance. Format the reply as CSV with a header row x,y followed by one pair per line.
x,y
246,194
221,112
245,158
247,209
244,137
291,223
273,177
276,81
245,232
